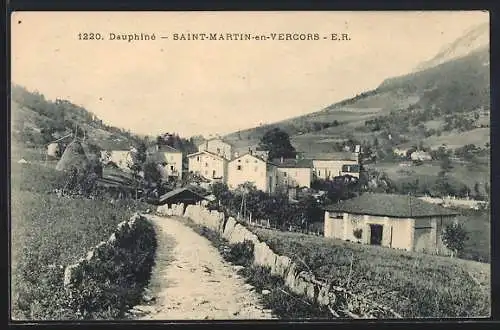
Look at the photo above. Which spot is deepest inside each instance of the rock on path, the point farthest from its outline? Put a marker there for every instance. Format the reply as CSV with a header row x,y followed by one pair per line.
x,y
190,280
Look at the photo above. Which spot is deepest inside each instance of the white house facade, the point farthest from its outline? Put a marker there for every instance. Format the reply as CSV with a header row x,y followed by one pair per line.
x,y
217,146
369,219
209,165
250,168
122,158
294,173
169,159
330,166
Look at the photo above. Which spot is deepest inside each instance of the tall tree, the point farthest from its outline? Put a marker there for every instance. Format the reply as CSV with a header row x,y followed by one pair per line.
x,y
277,142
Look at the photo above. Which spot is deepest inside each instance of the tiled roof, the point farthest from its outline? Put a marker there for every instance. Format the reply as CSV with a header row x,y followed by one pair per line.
x,y
401,206
292,163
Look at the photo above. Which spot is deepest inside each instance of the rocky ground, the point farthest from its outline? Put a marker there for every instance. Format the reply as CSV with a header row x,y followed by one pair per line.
x,y
192,281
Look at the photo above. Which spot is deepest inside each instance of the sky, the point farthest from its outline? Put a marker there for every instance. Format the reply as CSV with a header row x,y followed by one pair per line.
x,y
217,87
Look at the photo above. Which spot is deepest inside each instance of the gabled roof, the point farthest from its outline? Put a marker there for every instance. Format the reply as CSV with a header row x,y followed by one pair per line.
x,y
388,205
205,152
251,155
178,191
292,163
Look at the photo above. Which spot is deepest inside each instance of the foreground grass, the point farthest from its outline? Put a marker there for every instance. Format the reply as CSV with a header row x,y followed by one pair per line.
x,y
414,285
48,233
282,302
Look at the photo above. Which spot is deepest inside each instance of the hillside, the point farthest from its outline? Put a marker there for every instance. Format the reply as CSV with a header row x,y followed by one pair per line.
x,y
36,121
433,106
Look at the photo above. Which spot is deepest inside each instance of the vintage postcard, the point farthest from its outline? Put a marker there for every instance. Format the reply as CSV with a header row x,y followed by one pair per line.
x,y
250,165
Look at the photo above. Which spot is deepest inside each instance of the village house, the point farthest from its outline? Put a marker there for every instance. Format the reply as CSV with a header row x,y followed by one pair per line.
x,y
217,146
400,152
251,168
329,165
293,173
395,221
208,165
120,157
169,159
420,155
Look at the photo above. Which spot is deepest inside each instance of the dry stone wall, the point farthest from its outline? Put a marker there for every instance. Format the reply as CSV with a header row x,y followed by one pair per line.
x,y
299,283
302,283
122,262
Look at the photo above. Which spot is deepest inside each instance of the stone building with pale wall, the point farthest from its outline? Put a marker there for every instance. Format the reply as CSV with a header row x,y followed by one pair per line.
x,y
395,221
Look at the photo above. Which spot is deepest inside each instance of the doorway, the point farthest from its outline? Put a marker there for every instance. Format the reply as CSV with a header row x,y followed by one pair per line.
x,y
376,234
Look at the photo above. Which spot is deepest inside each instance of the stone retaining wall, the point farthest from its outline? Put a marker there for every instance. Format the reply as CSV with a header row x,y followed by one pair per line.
x,y
302,283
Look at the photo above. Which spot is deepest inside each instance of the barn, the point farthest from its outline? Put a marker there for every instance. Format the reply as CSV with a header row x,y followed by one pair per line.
x,y
395,221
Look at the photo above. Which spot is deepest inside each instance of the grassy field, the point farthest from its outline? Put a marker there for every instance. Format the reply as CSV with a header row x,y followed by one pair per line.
x,y
48,233
414,285
429,171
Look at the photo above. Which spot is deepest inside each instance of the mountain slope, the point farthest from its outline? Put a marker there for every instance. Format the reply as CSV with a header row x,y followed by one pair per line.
x,y
451,97
36,121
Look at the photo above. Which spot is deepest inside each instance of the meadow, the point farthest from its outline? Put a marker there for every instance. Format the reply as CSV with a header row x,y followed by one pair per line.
x,y
48,233
414,285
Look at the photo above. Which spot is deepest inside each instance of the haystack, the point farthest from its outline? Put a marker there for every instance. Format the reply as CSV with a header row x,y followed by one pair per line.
x,y
73,156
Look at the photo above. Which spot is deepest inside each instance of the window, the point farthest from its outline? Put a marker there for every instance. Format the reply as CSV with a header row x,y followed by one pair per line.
x,y
284,174
171,157
354,168
336,215
218,150
296,173
256,168
171,168
206,164
246,161
206,172
255,161
239,168
198,158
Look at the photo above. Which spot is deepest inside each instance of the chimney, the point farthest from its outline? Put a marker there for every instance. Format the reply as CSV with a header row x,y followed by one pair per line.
x,y
297,157
281,159
236,154
250,151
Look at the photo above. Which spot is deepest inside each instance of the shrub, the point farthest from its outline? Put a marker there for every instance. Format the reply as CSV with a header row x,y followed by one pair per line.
x,y
454,237
241,253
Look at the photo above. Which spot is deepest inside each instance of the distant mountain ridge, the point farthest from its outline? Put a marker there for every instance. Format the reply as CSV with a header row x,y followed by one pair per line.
x,y
476,38
449,94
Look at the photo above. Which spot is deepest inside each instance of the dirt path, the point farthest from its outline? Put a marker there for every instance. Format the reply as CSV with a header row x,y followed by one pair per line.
x,y
191,280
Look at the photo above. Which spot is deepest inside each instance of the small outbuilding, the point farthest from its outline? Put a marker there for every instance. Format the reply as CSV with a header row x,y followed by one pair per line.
x,y
181,195
395,221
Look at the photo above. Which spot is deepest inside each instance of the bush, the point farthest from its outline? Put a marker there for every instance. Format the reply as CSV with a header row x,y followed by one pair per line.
x,y
240,253
454,237
114,282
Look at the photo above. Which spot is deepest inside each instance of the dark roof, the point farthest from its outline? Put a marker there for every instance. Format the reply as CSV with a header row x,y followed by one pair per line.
x,y
332,156
163,148
388,205
176,192
292,163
